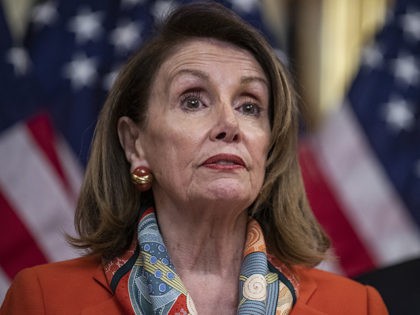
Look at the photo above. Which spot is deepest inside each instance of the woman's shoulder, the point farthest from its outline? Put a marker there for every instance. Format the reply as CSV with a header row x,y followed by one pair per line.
x,y
327,279
81,270
335,284
53,288
74,269
331,292
86,263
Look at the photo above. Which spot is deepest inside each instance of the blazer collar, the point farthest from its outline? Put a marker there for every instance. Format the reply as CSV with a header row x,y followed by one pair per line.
x,y
100,278
107,307
307,288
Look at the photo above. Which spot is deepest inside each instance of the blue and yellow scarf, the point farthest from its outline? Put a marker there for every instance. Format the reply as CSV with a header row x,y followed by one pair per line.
x,y
144,279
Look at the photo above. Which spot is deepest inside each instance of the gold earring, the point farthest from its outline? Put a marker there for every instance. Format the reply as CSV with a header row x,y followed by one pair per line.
x,y
142,178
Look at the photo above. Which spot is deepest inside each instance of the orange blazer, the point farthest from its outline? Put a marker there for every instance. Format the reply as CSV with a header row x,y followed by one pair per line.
x,y
79,286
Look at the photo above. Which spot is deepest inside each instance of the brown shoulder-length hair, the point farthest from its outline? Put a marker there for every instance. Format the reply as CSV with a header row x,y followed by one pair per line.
x,y
108,208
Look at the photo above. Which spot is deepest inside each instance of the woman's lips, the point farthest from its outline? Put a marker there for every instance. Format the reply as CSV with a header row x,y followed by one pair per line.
x,y
224,161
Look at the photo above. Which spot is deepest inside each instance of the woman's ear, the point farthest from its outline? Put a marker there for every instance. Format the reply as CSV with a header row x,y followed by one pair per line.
x,y
129,135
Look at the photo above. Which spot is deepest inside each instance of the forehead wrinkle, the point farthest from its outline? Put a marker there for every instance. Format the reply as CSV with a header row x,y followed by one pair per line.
x,y
205,76
175,69
249,79
177,65
194,72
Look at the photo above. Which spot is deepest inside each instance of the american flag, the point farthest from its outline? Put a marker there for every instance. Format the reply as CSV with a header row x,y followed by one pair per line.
x,y
52,85
362,168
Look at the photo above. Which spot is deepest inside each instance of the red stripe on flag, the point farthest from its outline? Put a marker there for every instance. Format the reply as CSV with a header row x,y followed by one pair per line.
x,y
43,134
18,248
353,255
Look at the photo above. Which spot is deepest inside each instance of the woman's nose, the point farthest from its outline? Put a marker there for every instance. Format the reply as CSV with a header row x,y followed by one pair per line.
x,y
226,126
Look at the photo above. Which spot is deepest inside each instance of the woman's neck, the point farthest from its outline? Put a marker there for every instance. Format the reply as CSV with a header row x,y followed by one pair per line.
x,y
207,243
206,250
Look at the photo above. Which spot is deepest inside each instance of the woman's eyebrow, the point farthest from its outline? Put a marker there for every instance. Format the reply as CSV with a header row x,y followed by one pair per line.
x,y
197,73
249,79
205,76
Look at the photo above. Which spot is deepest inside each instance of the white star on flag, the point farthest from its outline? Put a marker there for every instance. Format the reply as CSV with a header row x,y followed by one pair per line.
x,y
406,69
81,71
245,6
126,36
372,56
20,60
131,3
399,115
86,25
411,24
44,14
110,78
162,8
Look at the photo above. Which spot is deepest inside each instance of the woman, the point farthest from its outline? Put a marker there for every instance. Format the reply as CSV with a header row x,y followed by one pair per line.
x,y
214,218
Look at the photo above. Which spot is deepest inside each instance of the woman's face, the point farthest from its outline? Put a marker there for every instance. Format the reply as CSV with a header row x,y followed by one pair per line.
x,y
207,131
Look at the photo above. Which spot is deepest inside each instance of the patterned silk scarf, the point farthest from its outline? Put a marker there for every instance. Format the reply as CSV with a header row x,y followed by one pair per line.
x,y
145,282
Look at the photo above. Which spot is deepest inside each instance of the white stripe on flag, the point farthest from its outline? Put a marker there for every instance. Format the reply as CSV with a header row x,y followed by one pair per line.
x,y
369,200
4,285
331,263
71,166
36,192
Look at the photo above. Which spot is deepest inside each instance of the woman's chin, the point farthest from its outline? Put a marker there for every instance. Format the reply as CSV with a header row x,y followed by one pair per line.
x,y
230,194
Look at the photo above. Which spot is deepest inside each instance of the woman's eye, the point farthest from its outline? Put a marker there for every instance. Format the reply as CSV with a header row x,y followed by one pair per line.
x,y
250,109
191,102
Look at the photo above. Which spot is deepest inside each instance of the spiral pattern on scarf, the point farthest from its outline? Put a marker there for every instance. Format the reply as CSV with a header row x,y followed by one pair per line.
x,y
255,288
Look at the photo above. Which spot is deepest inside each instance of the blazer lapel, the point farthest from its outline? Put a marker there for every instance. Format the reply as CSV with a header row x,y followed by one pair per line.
x,y
100,278
308,286
112,306
106,307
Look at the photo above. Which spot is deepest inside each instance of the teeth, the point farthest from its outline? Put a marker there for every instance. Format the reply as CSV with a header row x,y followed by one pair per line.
x,y
225,162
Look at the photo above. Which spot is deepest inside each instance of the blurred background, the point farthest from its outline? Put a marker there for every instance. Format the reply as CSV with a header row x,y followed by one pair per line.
x,y
356,67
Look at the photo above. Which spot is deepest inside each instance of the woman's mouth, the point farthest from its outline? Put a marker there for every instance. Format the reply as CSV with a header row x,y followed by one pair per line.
x,y
224,161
